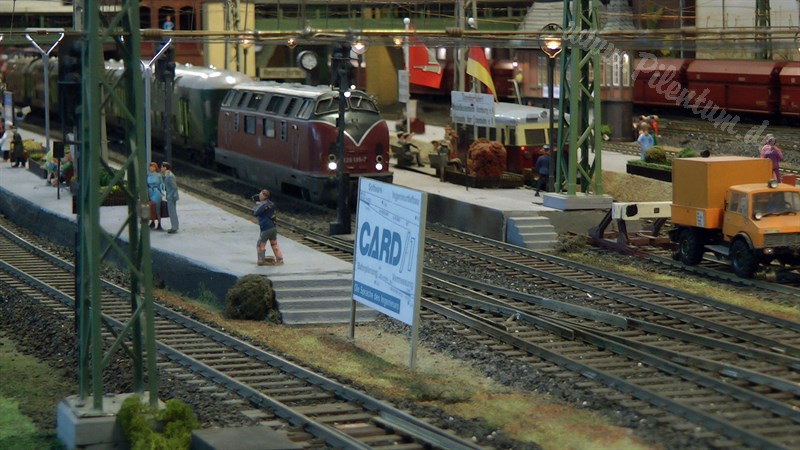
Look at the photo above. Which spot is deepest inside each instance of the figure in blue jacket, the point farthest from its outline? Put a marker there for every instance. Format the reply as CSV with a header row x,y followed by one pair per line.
x,y
155,185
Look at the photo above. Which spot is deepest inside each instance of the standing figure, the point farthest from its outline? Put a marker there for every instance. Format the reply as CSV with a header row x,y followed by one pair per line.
x,y
773,153
5,141
154,187
265,211
168,24
18,149
543,169
652,121
645,139
171,187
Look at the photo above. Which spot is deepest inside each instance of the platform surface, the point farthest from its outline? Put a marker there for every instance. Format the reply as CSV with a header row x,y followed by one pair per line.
x,y
216,242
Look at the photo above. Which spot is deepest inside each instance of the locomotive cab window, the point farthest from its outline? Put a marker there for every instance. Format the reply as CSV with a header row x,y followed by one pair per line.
x,y
327,106
362,103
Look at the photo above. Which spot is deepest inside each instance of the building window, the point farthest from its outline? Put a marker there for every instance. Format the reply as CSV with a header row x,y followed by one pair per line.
x,y
616,69
187,19
626,70
144,17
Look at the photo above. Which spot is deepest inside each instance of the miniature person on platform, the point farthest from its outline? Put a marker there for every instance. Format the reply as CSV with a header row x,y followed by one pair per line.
x,y
5,141
18,149
408,153
543,170
155,185
265,211
774,154
171,188
645,140
652,121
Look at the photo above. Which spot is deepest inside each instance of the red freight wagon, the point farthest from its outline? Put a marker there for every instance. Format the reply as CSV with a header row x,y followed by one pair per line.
x,y
751,87
790,89
659,81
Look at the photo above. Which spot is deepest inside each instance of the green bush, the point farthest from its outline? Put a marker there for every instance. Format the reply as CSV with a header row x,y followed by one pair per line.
x,y
176,422
687,153
605,129
251,298
656,155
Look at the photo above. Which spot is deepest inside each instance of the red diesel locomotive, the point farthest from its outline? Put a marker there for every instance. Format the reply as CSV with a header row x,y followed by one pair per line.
x,y
283,136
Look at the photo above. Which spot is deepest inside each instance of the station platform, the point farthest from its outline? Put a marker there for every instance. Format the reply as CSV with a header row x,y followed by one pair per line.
x,y
214,248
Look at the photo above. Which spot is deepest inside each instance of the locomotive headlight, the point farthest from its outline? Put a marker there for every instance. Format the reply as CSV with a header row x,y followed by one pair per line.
x,y
378,167
332,165
379,163
347,94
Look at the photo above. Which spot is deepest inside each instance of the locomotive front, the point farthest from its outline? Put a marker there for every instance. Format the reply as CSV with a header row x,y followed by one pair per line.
x,y
366,138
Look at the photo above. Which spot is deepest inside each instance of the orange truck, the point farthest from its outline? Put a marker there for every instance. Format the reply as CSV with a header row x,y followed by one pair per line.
x,y
730,206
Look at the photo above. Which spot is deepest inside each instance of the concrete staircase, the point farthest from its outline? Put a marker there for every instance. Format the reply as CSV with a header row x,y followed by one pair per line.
x,y
533,232
303,301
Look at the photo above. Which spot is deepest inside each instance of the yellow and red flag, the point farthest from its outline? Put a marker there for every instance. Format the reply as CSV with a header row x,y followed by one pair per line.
x,y
424,69
478,67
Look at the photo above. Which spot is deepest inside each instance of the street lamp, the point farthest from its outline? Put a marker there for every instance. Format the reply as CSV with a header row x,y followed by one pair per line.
x,y
45,63
246,44
551,46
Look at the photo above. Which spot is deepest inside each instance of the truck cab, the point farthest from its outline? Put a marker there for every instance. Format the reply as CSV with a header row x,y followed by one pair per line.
x,y
751,224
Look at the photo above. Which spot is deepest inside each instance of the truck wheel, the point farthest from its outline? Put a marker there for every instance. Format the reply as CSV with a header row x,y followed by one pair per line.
x,y
690,249
743,259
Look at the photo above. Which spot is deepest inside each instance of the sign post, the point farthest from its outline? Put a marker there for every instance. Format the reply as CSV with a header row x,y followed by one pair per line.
x,y
390,241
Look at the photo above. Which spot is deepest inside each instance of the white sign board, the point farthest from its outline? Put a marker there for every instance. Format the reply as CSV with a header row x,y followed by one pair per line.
x,y
390,240
402,86
471,108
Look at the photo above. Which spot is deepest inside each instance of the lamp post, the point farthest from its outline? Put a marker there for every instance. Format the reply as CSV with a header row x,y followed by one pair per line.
x,y
45,63
359,48
551,46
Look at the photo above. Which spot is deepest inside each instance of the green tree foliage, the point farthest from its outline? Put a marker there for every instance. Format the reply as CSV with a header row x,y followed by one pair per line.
x,y
176,423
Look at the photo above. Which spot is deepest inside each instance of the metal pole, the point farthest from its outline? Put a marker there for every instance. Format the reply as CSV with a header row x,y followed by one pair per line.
x,y
342,225
551,169
45,60
147,74
407,23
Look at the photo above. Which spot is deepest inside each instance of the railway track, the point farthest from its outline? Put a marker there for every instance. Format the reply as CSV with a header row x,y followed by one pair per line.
x,y
728,370
681,353
327,412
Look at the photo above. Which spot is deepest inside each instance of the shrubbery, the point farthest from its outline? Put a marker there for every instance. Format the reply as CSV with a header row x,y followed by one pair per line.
x,y
251,298
487,159
176,423
656,155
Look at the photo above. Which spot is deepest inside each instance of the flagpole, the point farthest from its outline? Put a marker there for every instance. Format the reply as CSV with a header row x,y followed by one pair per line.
x,y
407,23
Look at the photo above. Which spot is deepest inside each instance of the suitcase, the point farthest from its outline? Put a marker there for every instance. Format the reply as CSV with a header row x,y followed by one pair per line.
x,y
164,210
